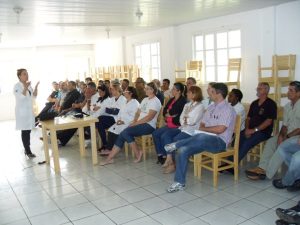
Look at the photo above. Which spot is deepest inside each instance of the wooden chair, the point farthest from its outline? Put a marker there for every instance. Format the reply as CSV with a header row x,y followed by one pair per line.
x,y
234,72
192,69
146,141
215,161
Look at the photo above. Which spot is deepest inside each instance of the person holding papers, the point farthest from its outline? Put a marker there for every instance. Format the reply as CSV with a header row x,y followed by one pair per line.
x,y
217,127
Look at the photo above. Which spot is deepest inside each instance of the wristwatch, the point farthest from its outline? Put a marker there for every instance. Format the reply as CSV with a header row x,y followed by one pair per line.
x,y
256,129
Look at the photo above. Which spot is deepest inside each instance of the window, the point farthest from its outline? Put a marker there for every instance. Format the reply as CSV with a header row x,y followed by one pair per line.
x,y
147,57
214,50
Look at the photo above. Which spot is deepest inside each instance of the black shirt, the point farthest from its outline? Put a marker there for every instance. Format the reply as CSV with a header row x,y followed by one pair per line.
x,y
70,98
176,109
259,113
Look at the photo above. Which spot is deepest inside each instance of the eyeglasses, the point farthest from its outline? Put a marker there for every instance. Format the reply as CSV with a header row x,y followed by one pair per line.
x,y
126,92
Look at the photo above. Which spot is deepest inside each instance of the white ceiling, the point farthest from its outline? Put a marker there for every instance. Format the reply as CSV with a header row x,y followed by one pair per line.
x,y
69,19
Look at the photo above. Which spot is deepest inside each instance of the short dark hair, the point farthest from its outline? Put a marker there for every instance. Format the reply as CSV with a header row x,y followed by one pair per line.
x,y
19,72
295,84
265,84
88,79
179,86
133,92
153,86
140,80
238,94
92,85
221,88
126,80
167,81
105,90
73,83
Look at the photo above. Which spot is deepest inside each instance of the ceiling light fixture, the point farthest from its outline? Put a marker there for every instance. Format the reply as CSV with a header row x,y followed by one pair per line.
x,y
139,14
18,10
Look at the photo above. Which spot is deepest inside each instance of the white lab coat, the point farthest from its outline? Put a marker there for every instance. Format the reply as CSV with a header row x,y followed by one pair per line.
x,y
126,114
24,108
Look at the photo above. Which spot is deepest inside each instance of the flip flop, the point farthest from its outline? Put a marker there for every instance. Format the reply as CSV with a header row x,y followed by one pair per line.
x,y
107,162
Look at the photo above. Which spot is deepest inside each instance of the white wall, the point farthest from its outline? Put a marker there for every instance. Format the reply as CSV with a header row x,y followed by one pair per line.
x,y
167,47
268,31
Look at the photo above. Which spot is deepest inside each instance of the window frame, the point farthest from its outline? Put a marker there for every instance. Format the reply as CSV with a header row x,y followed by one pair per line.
x,y
150,75
216,66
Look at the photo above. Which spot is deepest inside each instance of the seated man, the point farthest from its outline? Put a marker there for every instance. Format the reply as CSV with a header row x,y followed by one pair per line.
x,y
289,216
259,122
235,98
271,160
290,153
219,120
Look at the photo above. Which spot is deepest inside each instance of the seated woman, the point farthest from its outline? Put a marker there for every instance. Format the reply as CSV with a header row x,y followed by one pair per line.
x,y
125,116
190,117
144,123
111,112
171,113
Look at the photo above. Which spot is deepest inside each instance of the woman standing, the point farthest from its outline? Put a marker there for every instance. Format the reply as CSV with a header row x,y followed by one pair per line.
x,y
24,95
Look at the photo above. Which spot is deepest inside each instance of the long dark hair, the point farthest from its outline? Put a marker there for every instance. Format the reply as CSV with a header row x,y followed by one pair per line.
x,y
105,90
133,92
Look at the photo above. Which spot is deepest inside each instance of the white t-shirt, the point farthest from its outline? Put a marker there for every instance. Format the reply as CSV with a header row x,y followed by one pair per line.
x,y
147,105
100,112
240,110
116,104
126,114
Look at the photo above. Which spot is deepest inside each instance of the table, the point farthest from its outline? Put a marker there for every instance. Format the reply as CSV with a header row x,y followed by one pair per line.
x,y
64,123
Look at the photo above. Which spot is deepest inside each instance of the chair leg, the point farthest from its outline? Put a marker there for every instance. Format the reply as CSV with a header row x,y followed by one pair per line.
x,y
215,171
199,166
195,165
126,150
236,168
144,146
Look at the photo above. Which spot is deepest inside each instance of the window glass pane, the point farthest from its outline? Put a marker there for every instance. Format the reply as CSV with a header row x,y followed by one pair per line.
x,y
222,57
222,40
210,73
222,73
199,56
154,61
138,62
154,49
137,51
209,41
199,43
234,38
234,53
210,58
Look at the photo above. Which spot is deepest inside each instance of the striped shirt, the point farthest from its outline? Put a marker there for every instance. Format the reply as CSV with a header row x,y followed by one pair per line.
x,y
221,114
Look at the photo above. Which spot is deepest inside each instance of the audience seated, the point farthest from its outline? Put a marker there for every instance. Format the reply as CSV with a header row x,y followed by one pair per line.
x,y
190,81
271,161
140,88
165,88
111,112
234,98
159,93
259,122
289,151
144,123
124,84
124,118
217,126
171,113
208,101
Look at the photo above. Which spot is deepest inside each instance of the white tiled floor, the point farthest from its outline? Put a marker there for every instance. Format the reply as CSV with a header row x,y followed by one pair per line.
x,y
122,193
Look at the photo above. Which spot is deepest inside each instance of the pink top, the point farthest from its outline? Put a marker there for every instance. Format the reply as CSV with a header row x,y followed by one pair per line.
x,y
169,119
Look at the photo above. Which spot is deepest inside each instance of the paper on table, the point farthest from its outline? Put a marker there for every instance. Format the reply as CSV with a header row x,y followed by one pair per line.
x,y
204,132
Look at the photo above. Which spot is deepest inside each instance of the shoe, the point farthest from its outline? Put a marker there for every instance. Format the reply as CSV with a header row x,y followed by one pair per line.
x,y
176,187
30,155
170,168
170,147
160,160
87,143
294,187
256,174
105,152
257,177
282,222
100,149
278,184
288,215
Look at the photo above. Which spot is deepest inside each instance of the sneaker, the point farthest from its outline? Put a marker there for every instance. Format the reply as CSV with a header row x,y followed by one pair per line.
x,y
176,187
170,147
288,215
87,143
295,186
277,183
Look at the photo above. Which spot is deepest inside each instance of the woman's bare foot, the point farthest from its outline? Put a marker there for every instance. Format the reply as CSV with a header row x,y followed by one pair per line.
x,y
106,162
138,159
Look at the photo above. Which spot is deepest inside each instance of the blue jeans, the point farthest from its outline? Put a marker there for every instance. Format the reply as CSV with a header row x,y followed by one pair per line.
x,y
178,137
130,132
247,143
290,153
191,146
162,137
